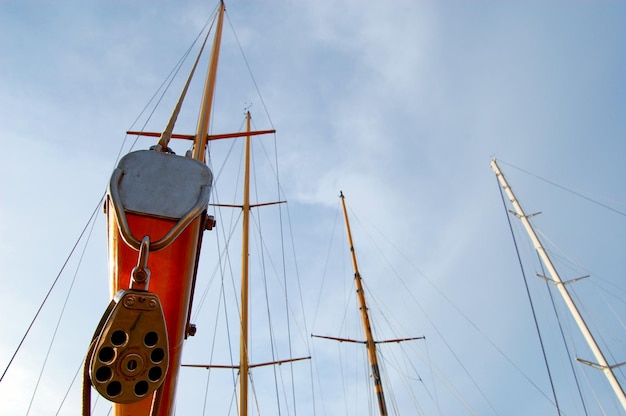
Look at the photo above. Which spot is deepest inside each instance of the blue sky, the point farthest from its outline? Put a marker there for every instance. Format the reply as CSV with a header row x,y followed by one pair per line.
x,y
401,105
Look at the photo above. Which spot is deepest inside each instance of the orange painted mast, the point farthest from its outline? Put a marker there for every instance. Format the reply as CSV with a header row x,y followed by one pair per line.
x,y
156,216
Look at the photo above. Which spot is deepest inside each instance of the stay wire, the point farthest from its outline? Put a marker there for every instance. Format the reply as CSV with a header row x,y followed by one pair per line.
x,y
530,301
284,270
58,324
578,194
456,308
272,335
444,340
279,192
69,389
558,319
165,85
52,287
430,364
299,284
263,266
325,271
250,71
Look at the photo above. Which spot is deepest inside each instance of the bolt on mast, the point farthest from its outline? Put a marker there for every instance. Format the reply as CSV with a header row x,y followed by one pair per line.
x,y
602,364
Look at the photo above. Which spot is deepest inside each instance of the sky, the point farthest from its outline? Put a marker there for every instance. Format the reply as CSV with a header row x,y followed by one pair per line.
x,y
401,105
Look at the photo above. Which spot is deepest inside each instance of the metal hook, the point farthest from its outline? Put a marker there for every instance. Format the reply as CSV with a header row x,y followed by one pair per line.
x,y
140,275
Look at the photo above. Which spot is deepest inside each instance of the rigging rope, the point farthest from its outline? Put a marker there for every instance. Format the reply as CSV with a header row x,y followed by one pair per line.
x,y
299,285
56,280
532,307
67,392
167,133
250,72
456,308
164,88
558,319
267,305
58,324
275,168
578,194
444,340
430,363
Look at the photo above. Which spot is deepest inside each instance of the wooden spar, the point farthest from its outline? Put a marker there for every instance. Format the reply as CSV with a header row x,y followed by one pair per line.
x,y
244,347
562,288
210,137
200,143
367,329
243,340
369,342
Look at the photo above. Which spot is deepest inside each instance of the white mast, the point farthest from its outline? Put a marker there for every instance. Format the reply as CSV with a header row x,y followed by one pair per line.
x,y
556,279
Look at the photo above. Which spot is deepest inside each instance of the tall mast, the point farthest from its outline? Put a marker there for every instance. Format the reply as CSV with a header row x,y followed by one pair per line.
x,y
244,365
561,286
243,339
367,329
201,139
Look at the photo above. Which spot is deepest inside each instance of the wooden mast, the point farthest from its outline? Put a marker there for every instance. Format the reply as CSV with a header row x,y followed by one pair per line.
x,y
369,342
246,207
367,329
201,138
243,339
602,363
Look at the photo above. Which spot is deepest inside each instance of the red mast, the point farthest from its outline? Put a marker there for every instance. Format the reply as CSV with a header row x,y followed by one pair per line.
x,y
156,216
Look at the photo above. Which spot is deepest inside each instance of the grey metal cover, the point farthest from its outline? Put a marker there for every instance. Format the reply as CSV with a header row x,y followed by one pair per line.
x,y
161,184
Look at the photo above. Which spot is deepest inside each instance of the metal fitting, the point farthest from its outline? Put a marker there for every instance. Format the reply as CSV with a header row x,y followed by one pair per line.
x,y
210,222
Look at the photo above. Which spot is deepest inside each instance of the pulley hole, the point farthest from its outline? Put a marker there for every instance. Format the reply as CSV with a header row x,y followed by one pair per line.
x,y
141,388
114,388
118,338
103,374
157,355
155,374
106,355
150,339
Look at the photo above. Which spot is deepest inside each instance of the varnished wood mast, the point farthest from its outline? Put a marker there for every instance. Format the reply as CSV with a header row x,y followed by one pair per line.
x,y
369,342
199,149
367,328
